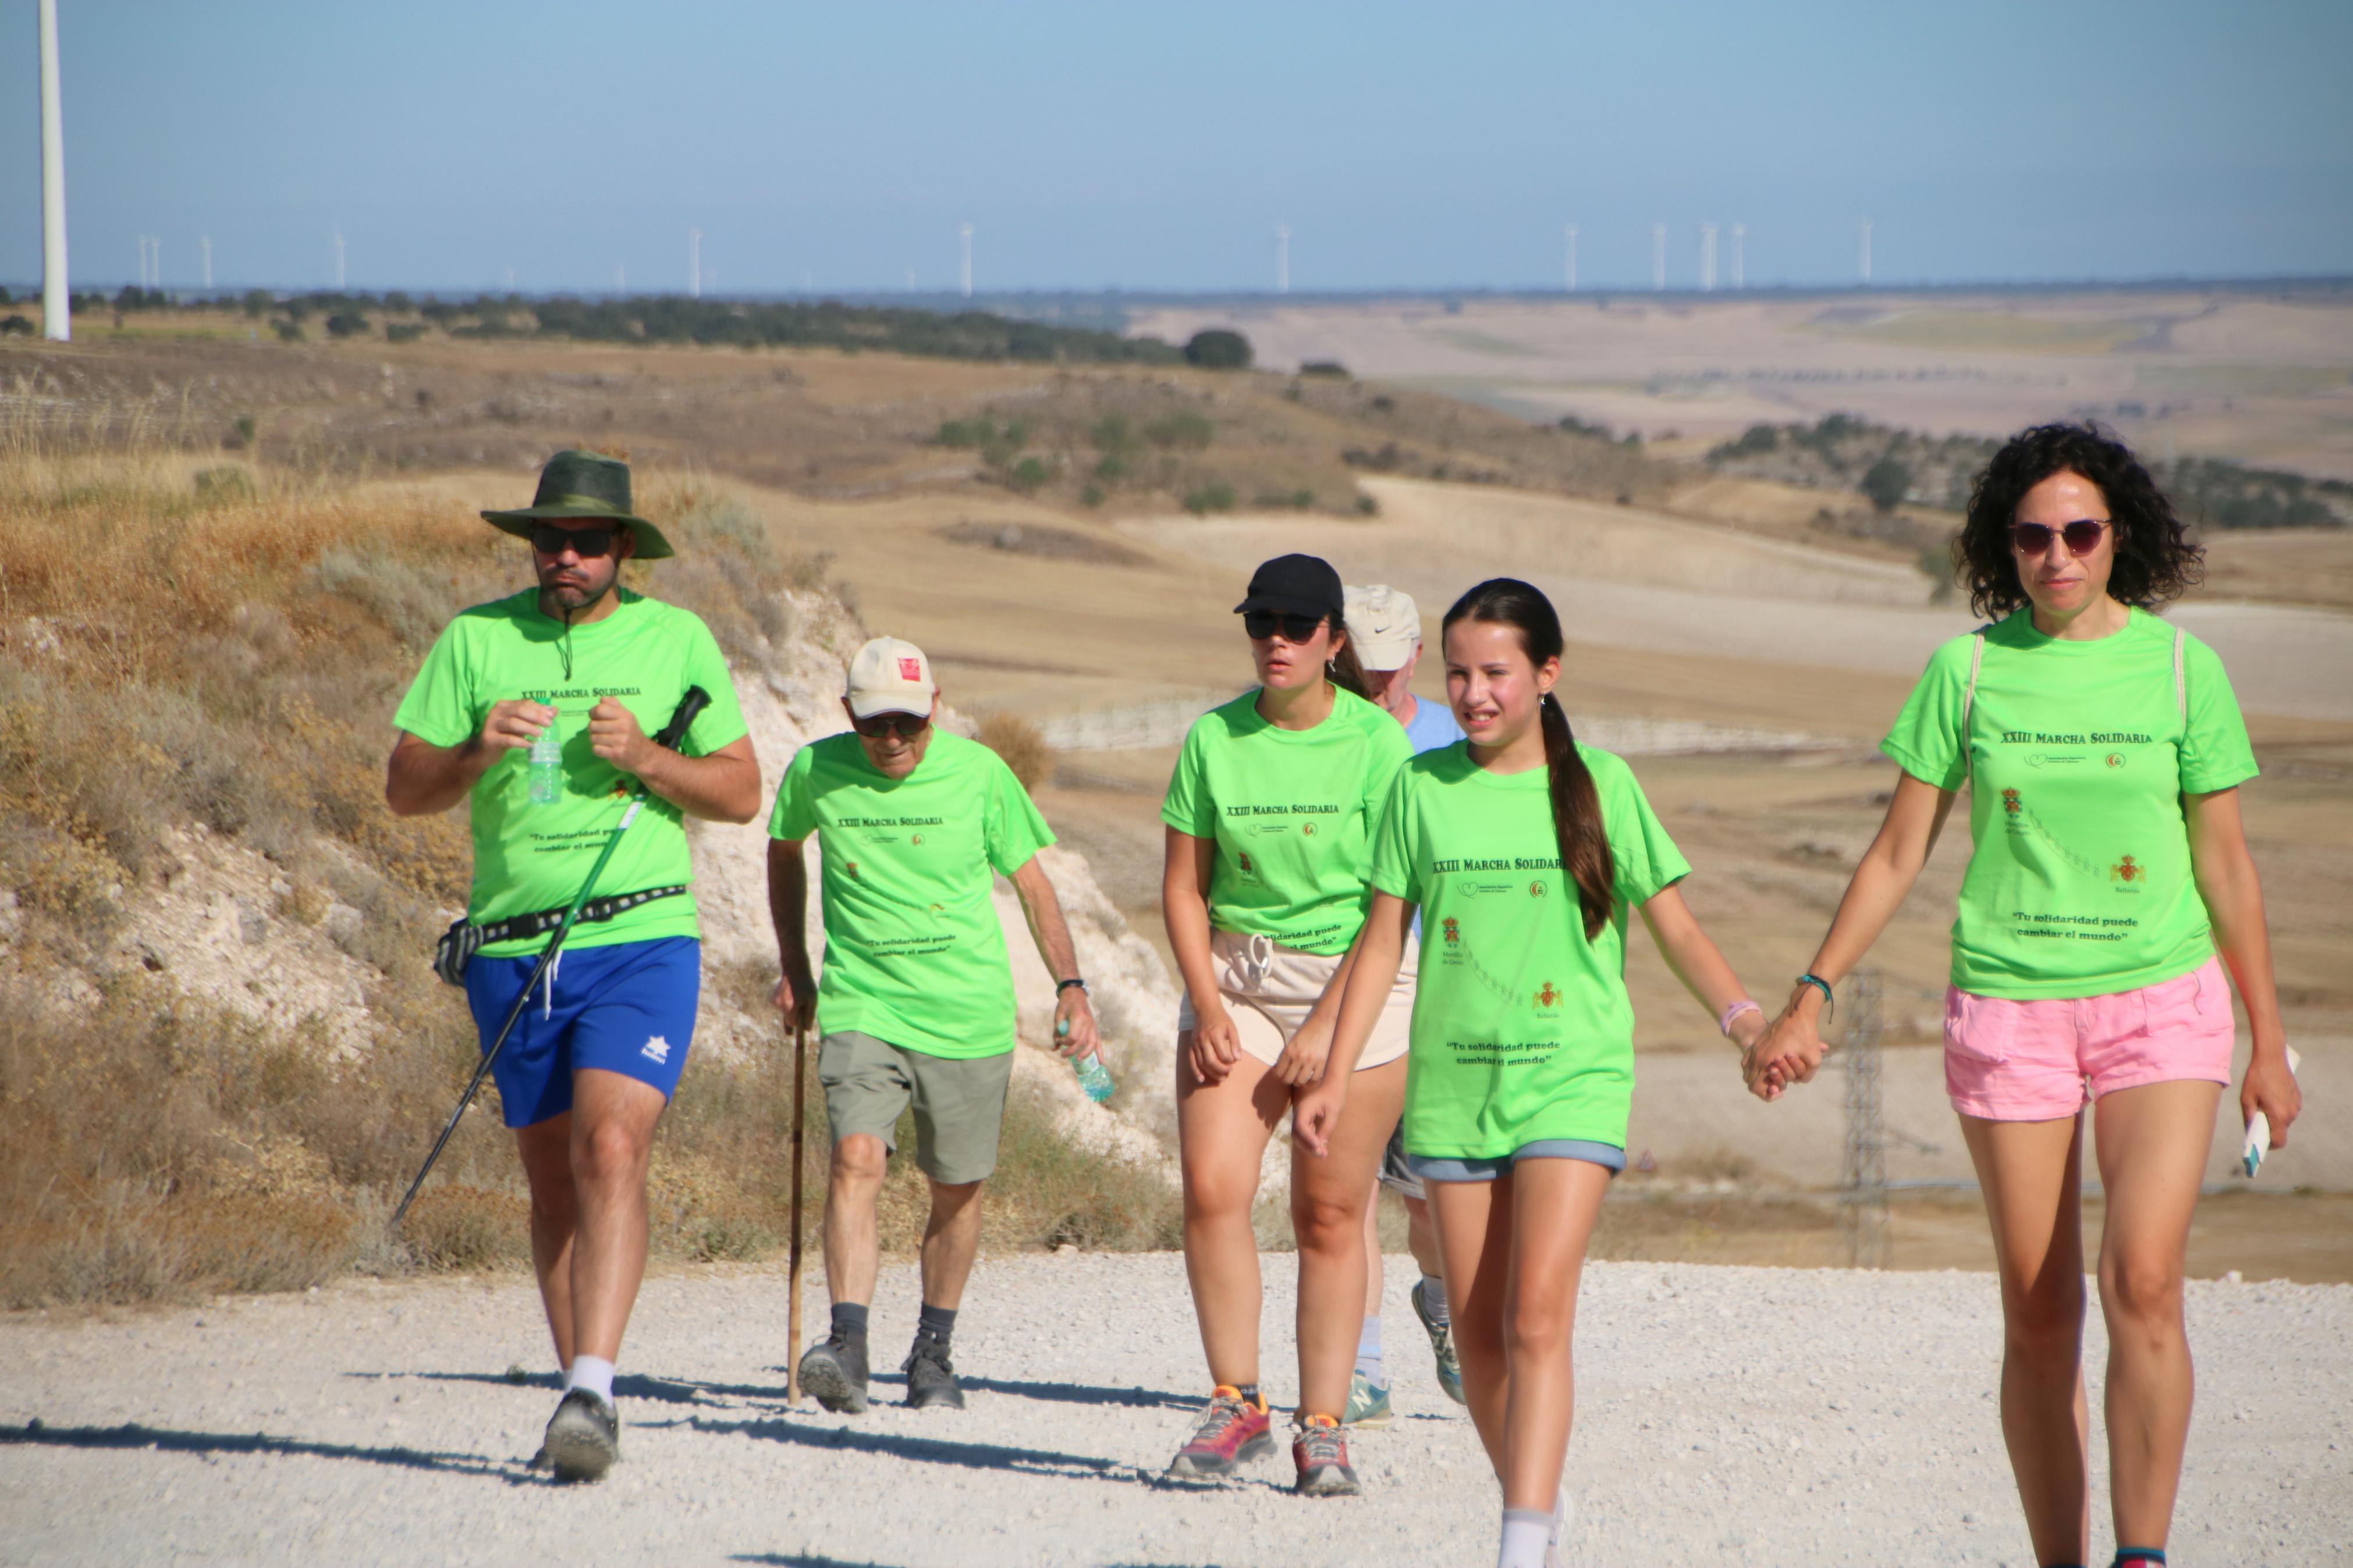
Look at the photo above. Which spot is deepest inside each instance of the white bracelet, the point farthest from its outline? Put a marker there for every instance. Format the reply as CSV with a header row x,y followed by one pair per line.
x,y
1723,1025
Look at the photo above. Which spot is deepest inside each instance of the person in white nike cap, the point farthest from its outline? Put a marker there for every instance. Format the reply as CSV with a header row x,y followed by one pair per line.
x,y
916,1005
1387,627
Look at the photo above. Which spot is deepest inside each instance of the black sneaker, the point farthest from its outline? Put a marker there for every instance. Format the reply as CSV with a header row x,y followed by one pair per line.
x,y
931,1379
583,1437
834,1372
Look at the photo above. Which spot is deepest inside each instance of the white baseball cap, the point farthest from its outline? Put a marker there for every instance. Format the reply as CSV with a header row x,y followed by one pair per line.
x,y
890,675
1384,626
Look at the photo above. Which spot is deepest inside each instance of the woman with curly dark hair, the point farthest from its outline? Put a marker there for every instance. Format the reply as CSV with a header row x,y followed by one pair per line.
x,y
2104,750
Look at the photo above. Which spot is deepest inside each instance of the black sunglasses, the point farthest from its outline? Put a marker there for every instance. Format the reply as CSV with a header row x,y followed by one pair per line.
x,y
1261,625
585,542
906,726
2082,536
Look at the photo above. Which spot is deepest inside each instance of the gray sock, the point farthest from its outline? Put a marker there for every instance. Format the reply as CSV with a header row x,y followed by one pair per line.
x,y
849,1320
935,1322
1433,1297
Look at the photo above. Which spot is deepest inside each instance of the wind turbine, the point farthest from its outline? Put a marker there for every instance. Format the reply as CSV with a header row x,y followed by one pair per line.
x,y
204,243
57,323
1739,275
339,259
1862,249
1283,258
1658,256
1569,269
1707,258
694,263
963,239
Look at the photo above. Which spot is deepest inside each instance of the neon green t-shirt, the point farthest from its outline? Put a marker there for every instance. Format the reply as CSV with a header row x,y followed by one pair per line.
x,y
913,953
1292,812
2078,754
1521,1028
530,858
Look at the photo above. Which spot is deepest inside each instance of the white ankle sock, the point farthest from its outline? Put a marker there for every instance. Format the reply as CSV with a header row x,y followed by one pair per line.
x,y
1369,1353
594,1373
1526,1532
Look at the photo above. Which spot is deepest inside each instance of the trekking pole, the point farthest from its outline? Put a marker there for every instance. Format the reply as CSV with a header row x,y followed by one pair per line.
x,y
793,1269
689,706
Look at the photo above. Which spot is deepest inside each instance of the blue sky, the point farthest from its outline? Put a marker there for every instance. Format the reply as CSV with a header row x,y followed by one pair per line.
x,y
1113,145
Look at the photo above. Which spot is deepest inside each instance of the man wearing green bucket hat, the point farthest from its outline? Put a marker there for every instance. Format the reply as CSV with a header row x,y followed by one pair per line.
x,y
536,709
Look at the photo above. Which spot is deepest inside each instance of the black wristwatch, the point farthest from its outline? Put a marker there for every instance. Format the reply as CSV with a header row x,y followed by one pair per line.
x,y
1062,985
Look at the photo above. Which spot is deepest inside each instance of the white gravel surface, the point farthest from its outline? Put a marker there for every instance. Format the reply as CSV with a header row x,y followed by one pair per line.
x,y
1760,1416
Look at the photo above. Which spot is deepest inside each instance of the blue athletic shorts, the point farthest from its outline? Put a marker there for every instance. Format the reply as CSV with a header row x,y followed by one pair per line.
x,y
627,1008
1486,1168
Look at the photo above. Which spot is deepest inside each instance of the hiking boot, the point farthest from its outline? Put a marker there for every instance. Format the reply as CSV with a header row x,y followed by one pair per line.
x,y
1441,1346
583,1437
1232,1433
931,1378
834,1372
1322,1456
1369,1403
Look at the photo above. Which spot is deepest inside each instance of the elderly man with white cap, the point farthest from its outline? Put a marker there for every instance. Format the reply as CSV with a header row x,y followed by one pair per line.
x,y
916,1005
1385,626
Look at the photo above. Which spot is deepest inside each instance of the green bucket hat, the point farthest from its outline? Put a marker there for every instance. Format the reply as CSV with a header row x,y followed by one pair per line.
x,y
584,484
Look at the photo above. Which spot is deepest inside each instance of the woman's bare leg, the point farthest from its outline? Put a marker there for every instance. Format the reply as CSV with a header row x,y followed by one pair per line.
x,y
1328,1200
2032,1175
1222,1129
1473,1222
2152,1147
1553,1205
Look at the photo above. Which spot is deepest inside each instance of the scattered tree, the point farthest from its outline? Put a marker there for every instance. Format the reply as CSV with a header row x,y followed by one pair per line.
x,y
1218,348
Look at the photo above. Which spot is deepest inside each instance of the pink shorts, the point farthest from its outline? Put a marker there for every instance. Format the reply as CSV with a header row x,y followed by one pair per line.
x,y
2009,1060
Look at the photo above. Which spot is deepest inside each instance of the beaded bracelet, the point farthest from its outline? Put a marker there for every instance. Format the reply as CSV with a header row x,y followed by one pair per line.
x,y
1724,1024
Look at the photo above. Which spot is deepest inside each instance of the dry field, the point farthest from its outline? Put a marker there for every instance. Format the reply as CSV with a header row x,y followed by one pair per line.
x,y
2263,376
1747,661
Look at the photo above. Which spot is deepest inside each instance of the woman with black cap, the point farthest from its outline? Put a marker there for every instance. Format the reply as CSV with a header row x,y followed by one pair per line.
x,y
1268,815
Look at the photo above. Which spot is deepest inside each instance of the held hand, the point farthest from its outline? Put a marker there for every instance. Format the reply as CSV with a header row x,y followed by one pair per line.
x,y
614,736
1787,1053
515,723
1302,1059
1217,1047
1074,1025
2270,1087
796,995
1315,1113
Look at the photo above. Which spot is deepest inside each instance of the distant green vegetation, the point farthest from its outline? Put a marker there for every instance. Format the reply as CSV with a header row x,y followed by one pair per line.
x,y
1891,466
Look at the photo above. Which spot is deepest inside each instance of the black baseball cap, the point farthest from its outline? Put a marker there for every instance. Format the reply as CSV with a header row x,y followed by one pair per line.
x,y
1295,585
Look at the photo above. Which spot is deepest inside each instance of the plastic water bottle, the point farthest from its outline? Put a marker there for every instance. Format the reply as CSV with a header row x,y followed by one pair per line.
x,y
1094,1078
546,768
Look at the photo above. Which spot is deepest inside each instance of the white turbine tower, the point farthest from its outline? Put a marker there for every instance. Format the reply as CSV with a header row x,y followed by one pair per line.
x,y
1740,272
1283,258
964,274
205,244
1658,256
1862,249
56,320
1568,265
1707,258
620,279
339,259
142,261
694,264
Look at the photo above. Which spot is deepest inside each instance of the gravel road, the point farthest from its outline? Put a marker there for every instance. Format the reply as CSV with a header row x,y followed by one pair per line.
x,y
1752,1414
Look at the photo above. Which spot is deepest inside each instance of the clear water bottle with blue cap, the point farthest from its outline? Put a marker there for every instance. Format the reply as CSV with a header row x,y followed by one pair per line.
x,y
1094,1078
546,768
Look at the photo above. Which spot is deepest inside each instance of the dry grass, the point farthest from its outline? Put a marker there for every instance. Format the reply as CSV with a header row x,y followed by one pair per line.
x,y
182,647
1024,749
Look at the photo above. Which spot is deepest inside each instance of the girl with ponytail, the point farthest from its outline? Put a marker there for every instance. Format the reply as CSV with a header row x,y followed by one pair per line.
x,y
1524,852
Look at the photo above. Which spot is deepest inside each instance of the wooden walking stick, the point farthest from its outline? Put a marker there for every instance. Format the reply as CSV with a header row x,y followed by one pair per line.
x,y
793,1312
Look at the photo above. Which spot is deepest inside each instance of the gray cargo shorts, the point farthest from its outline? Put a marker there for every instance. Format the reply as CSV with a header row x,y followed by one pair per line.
x,y
959,1102
1395,1175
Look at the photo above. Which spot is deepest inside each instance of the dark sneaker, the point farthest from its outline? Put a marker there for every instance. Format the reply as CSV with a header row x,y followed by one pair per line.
x,y
1441,1346
1322,1456
1232,1433
835,1371
931,1378
583,1437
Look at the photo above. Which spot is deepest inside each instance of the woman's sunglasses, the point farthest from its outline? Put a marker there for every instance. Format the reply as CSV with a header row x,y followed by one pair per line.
x,y
2082,536
1262,625
906,726
585,542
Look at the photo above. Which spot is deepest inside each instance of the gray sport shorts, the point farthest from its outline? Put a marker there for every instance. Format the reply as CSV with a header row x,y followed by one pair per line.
x,y
959,1102
1395,1175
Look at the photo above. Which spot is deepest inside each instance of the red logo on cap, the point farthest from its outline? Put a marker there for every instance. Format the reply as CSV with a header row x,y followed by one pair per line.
x,y
911,670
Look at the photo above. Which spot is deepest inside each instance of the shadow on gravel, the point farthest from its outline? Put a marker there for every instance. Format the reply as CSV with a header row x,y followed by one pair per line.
x,y
799,1560
136,1437
627,1385
1071,1393
930,1451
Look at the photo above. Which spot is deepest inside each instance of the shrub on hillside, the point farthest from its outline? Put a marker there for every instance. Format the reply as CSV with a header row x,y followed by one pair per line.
x,y
1209,498
1218,348
1886,482
1022,747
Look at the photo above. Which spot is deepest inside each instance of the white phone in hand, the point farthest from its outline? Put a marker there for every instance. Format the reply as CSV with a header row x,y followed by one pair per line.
x,y
2259,1127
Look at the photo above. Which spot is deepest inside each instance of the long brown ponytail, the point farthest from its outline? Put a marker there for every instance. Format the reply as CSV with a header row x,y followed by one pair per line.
x,y
1343,669
1577,823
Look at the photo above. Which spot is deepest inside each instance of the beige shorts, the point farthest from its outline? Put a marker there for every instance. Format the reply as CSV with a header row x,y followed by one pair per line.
x,y
1269,989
